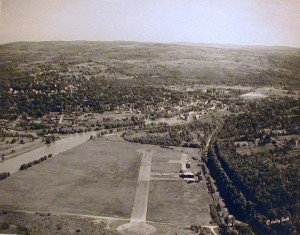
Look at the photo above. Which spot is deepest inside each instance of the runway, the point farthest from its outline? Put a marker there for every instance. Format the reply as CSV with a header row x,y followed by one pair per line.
x,y
138,218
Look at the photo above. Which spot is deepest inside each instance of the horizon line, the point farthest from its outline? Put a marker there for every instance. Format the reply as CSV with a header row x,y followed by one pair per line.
x,y
184,43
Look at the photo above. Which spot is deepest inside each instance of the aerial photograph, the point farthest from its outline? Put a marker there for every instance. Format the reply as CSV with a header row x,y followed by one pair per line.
x,y
150,117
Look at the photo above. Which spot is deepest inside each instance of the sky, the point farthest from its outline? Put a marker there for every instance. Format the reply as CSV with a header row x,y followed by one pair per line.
x,y
242,22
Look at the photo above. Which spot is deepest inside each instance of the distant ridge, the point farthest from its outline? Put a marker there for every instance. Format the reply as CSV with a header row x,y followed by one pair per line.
x,y
233,46
228,46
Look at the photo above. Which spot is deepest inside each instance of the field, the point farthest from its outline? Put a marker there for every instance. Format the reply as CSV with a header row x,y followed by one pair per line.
x,y
187,203
78,181
106,178
10,146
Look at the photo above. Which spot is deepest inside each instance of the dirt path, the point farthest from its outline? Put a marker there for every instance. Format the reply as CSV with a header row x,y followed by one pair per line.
x,y
97,217
34,222
211,229
61,119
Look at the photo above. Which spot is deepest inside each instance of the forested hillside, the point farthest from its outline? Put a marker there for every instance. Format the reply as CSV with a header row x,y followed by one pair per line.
x,y
256,165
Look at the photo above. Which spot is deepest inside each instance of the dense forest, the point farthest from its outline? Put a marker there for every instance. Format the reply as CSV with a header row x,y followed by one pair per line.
x,y
193,135
261,188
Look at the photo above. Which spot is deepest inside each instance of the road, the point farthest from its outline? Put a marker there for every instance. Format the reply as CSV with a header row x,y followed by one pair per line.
x,y
209,138
61,119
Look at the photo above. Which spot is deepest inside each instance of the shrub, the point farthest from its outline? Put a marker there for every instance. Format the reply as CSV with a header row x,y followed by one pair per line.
x,y
194,145
4,175
23,166
4,226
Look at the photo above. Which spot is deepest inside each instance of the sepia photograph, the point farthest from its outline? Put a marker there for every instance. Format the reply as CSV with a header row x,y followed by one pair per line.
x,y
150,117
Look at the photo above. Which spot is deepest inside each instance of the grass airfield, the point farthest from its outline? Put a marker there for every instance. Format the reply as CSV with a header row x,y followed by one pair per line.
x,y
100,179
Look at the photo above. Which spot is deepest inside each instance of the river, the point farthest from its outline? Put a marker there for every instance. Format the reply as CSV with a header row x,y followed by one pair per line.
x,y
12,165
